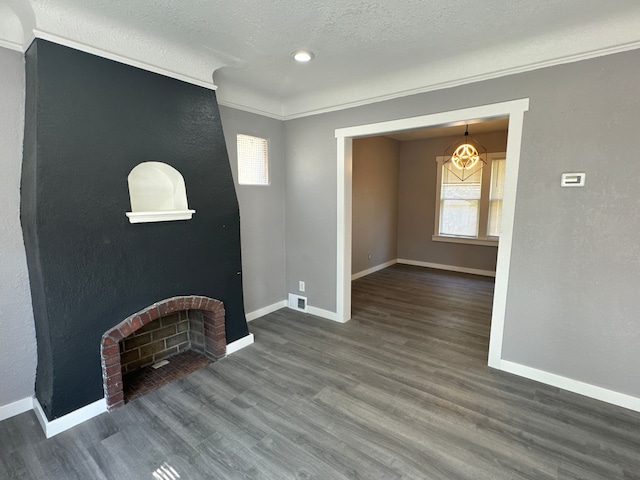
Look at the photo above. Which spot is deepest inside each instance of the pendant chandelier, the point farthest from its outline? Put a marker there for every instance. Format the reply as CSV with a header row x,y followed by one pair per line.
x,y
465,157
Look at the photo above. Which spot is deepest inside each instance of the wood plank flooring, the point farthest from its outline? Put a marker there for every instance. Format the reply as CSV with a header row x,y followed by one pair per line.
x,y
402,391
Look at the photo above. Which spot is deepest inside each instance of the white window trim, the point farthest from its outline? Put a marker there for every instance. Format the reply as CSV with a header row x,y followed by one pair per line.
x,y
483,216
488,242
515,110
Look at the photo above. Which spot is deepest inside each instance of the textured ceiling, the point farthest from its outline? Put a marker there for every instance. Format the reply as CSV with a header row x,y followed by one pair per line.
x,y
365,49
476,127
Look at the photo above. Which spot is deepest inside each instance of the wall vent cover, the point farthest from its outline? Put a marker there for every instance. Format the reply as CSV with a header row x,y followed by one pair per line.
x,y
297,302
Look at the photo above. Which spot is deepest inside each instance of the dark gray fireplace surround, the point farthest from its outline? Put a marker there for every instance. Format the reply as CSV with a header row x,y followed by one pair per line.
x,y
89,121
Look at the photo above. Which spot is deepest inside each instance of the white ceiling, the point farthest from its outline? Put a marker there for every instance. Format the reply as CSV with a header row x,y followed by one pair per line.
x,y
365,50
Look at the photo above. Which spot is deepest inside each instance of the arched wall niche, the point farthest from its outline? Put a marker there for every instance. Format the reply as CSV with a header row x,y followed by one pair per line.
x,y
158,194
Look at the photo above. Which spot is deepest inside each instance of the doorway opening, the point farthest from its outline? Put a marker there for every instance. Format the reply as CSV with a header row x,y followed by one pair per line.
x,y
514,110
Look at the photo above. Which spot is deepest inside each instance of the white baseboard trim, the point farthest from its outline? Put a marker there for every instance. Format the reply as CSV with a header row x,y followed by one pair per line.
x,y
575,386
319,312
450,268
261,312
239,344
16,408
371,270
70,420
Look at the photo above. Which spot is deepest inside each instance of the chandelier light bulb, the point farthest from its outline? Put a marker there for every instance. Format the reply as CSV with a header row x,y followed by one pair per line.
x,y
465,157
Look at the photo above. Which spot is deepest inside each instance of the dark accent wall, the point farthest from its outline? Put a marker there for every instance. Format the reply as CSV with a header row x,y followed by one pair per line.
x,y
89,121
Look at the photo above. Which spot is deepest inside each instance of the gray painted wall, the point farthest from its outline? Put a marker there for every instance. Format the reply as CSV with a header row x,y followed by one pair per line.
x,y
310,207
17,331
261,211
417,204
575,263
375,202
575,268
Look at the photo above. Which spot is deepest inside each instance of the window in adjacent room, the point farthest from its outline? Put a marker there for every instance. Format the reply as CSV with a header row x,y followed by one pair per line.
x,y
470,211
496,193
253,160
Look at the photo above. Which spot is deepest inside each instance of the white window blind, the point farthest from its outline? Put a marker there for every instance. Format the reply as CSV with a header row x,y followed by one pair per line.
x,y
253,160
470,211
460,204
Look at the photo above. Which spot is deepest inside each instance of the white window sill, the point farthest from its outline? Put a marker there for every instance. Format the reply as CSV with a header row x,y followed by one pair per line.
x,y
488,242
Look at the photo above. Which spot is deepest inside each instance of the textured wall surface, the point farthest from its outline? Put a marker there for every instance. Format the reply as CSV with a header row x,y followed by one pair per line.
x,y
575,261
89,121
375,202
17,334
310,208
575,269
261,211
417,203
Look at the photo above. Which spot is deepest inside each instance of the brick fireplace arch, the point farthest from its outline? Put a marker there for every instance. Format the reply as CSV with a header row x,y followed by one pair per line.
x,y
215,344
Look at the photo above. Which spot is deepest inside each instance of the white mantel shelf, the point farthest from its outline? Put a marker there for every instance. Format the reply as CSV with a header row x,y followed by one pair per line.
x,y
162,216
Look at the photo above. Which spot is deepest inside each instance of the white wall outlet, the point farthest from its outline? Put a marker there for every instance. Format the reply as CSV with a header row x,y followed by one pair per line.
x,y
369,256
301,286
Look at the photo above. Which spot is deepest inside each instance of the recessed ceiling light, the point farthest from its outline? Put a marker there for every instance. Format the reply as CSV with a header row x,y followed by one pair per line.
x,y
303,56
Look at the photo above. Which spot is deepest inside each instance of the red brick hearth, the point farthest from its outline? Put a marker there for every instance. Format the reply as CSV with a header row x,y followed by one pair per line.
x,y
215,344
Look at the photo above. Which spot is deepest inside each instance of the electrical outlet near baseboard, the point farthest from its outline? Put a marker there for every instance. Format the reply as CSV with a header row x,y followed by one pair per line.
x,y
297,302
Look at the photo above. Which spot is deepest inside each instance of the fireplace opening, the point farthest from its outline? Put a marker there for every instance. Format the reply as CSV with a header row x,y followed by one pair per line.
x,y
159,344
148,378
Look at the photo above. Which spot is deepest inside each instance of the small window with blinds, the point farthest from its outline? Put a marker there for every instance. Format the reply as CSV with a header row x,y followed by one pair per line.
x,y
253,160
470,211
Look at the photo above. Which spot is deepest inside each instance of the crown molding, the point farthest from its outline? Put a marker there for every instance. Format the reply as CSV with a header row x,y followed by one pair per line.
x,y
12,46
67,42
239,98
456,82
248,109
233,100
